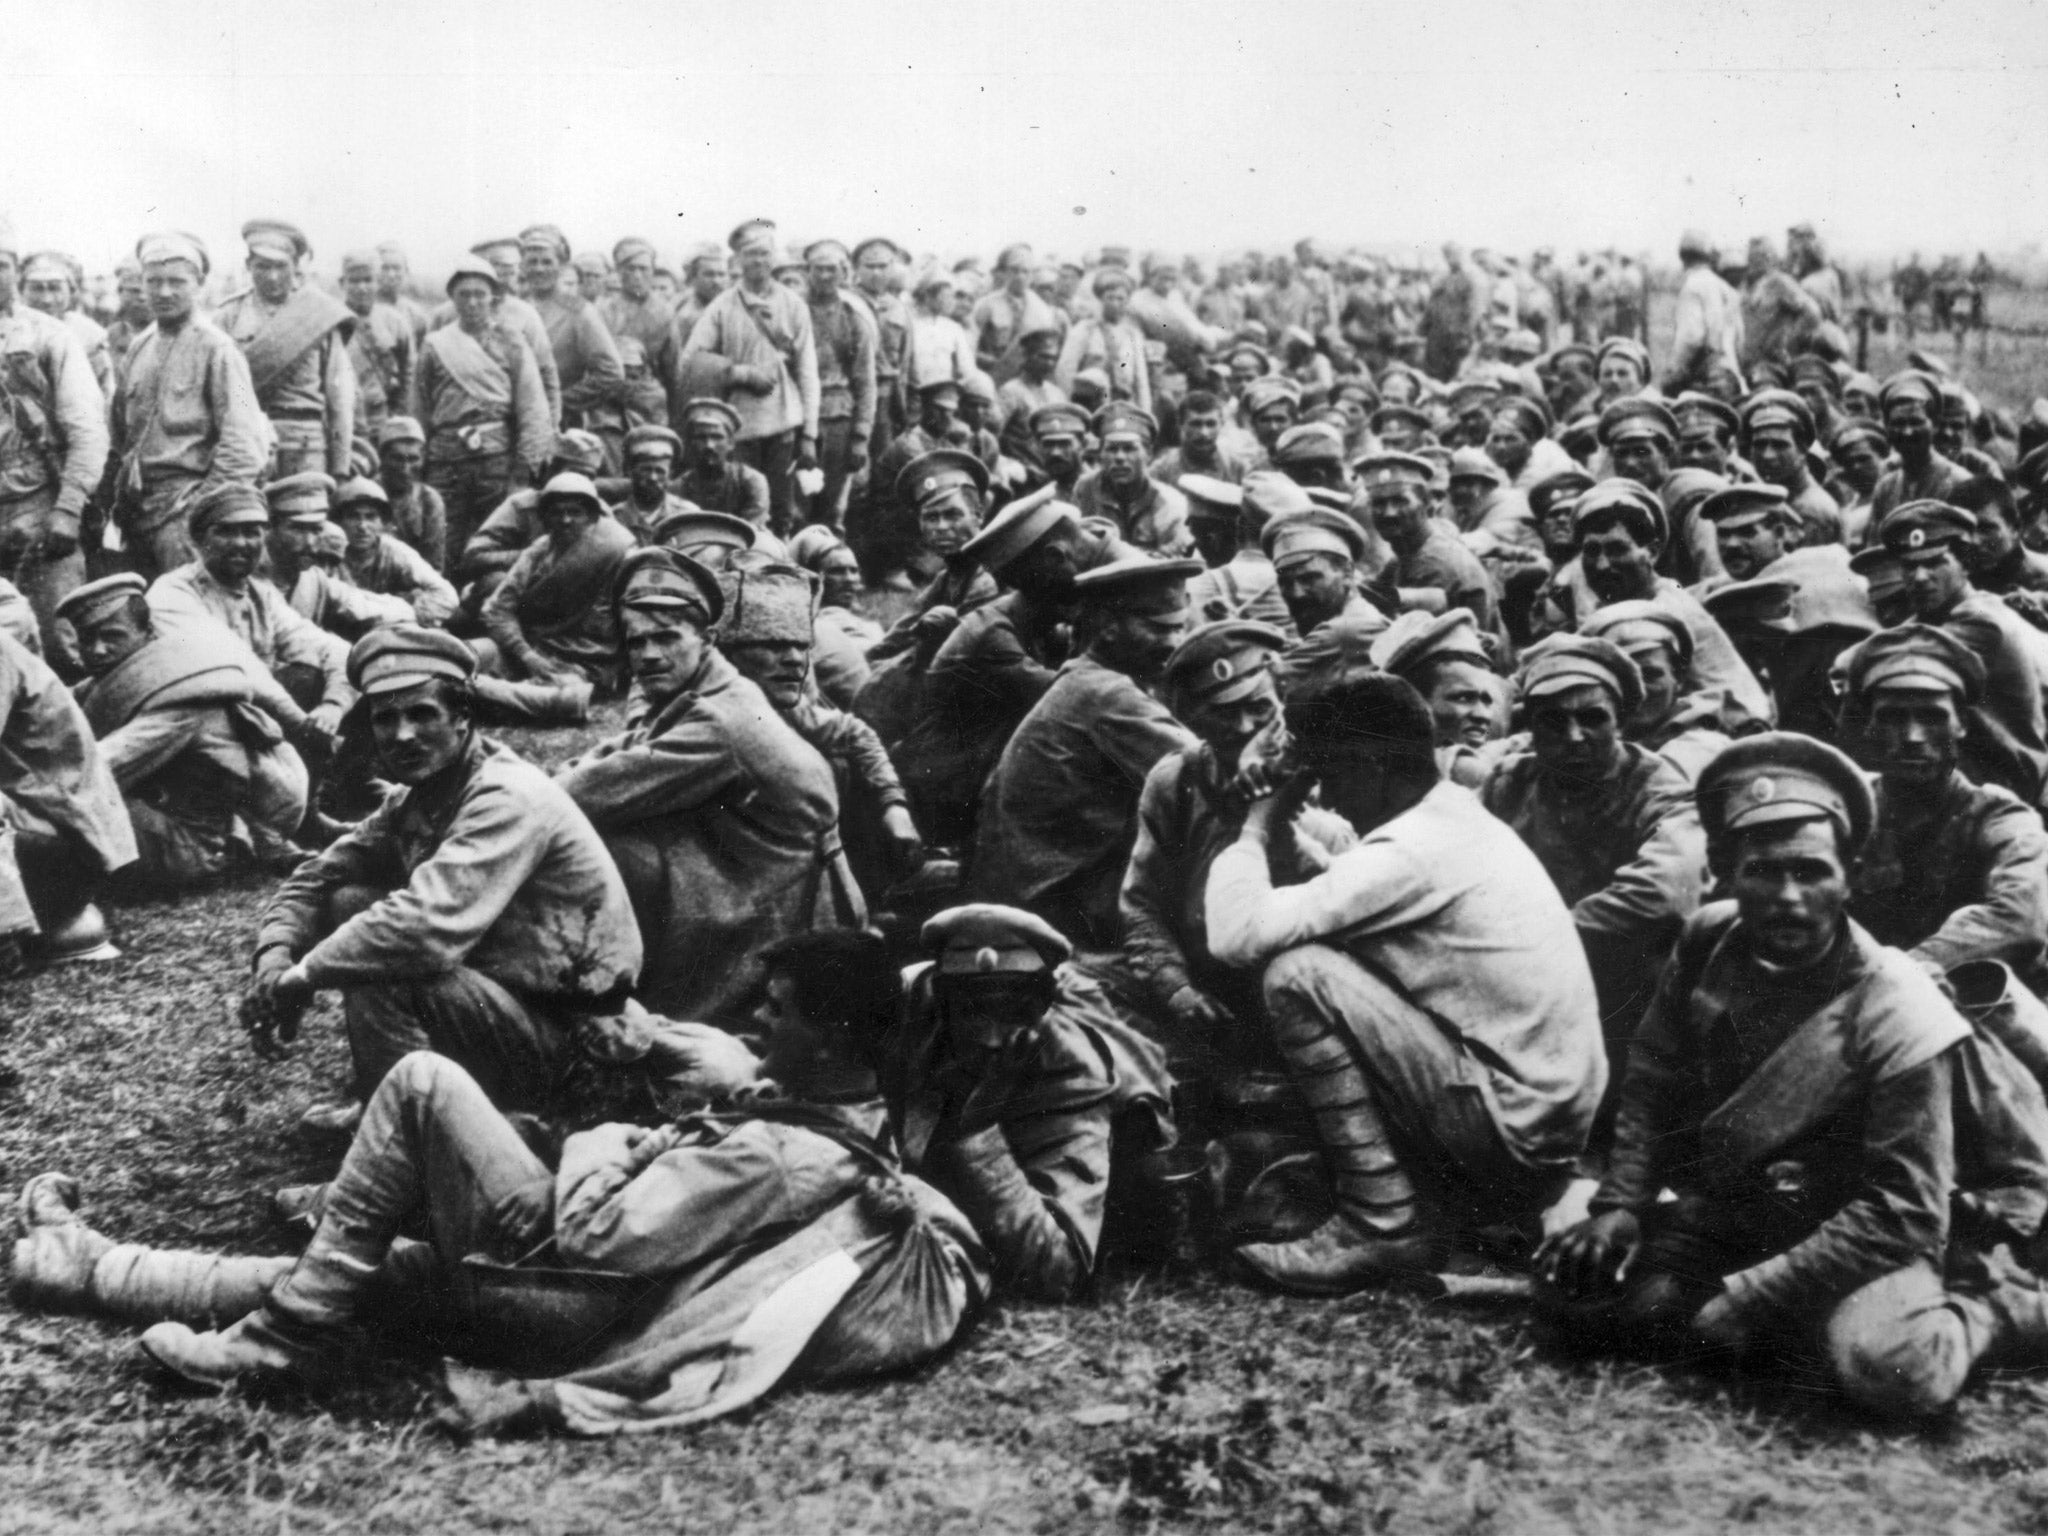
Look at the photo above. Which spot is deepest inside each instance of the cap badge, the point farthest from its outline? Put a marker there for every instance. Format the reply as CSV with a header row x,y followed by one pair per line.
x,y
1221,669
1762,790
986,959
1915,538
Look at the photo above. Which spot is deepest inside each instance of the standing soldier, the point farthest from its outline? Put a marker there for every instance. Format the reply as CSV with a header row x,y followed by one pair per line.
x,y
295,339
50,281
638,313
875,262
186,421
587,365
392,273
134,317
847,340
381,346
53,446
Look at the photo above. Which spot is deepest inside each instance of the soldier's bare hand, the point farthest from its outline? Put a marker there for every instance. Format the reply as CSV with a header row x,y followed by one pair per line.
x,y
906,843
1593,1257
1193,1008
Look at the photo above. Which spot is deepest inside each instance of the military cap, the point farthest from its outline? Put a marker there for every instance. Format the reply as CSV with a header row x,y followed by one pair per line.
x,y
883,242
929,278
1910,384
1316,531
1210,497
1387,467
1270,390
771,604
397,656
358,489
1639,625
477,267
1686,487
1856,430
592,263
703,251
1035,329
545,237
1473,464
1694,242
1415,639
1926,525
1111,277
400,429
47,264
363,259
626,249
1695,406
1309,442
939,472
1395,411
1255,351
984,939
658,578
708,410
1472,394
1778,408
1223,662
691,527
1268,494
1734,506
274,237
1922,657
935,389
174,245
827,248
1636,416
1628,347
1020,526
1121,418
1331,499
299,496
1562,486
235,502
570,486
1638,510
1784,777
1811,365
1138,584
1529,416
579,450
1521,344
1561,662
1556,355
747,229
505,245
1876,564
1059,419
1357,385
1760,603
648,441
88,604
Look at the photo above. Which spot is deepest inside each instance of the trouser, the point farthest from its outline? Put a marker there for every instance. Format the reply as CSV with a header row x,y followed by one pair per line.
x,y
44,579
470,491
154,535
181,845
1397,1100
506,1043
47,876
431,1141
297,448
835,454
1902,1345
775,458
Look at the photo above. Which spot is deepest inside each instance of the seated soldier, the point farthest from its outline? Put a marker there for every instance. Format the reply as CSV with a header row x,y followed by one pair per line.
x,y
1610,821
1209,1016
767,633
210,781
1316,555
715,540
1432,565
376,560
701,1222
299,671
1240,582
1954,871
63,828
474,913
1424,989
650,453
418,515
987,675
712,477
515,523
551,618
1020,1094
1060,811
1147,514
723,821
1754,527
299,505
1442,658
1678,721
948,490
1826,1120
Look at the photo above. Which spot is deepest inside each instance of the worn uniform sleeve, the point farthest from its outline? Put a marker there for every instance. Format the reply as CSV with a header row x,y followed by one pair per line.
x,y
80,410
1250,921
501,609
851,740
604,376
2009,922
433,600
1657,890
301,642
429,926
676,771
338,402
1652,1092
1134,731
367,854
149,741
862,374
242,437
807,386
1035,1191
1900,1216
535,408
1150,894
1689,345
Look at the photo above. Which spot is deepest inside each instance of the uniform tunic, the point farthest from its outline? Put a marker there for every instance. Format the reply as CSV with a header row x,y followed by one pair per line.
x,y
263,620
559,602
313,397
1118,350
395,569
744,328
651,322
384,352
1156,519
586,358
186,421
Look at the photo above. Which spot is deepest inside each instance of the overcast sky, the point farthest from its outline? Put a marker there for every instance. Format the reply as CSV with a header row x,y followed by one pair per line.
x,y
958,126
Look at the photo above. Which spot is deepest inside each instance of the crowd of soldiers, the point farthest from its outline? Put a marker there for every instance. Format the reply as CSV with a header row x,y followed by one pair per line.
x,y
1358,779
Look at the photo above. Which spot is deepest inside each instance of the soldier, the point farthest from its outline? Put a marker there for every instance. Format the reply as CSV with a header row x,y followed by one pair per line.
x,y
381,346
1955,871
486,409
131,318
587,367
1429,556
299,507
1777,431
1006,314
1910,401
513,315
1038,353
712,476
418,515
1059,434
1240,582
210,782
1709,322
948,490
1639,436
1706,434
1754,526
847,340
876,265
1316,555
53,449
295,339
636,312
1860,452
1059,814
186,422
1678,720
1147,514
50,282
377,560
1111,341
392,276
723,821
550,618
1443,659
650,458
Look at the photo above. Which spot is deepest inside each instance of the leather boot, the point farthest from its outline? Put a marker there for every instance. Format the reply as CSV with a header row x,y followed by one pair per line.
x,y
1340,1257
261,1344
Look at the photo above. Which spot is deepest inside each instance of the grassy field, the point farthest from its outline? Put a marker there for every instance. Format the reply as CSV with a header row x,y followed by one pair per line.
x,y
1171,1402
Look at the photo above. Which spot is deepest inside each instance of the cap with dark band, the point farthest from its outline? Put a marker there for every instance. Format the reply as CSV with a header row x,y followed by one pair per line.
x,y
1223,662
395,656
657,579
984,939
1783,777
